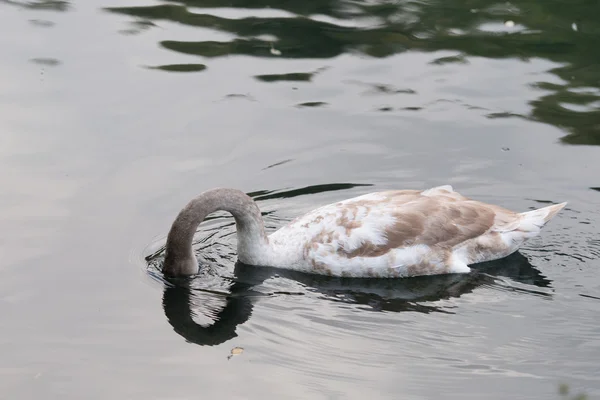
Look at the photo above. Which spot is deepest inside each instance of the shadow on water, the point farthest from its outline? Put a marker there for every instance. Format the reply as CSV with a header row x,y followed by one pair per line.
x,y
563,32
180,299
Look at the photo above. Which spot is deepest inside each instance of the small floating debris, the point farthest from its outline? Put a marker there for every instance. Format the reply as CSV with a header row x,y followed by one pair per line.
x,y
235,352
574,27
509,24
274,51
506,149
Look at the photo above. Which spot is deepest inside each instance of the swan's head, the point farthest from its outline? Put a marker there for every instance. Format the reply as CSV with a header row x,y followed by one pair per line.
x,y
180,266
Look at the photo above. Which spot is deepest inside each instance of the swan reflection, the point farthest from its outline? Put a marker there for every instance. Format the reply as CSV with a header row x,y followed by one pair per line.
x,y
183,303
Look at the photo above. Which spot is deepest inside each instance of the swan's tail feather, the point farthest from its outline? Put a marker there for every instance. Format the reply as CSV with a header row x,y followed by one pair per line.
x,y
533,221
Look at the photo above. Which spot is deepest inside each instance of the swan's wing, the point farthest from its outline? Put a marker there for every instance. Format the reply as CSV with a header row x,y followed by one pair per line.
x,y
399,230
426,221
445,191
394,233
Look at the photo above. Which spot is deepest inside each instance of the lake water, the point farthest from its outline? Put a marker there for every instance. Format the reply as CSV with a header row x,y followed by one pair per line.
x,y
114,114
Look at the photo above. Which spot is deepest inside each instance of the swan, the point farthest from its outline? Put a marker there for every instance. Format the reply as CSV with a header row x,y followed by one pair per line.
x,y
387,234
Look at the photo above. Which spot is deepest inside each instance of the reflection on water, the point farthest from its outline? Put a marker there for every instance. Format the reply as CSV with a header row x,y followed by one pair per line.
x,y
181,67
565,33
182,302
292,76
43,5
313,189
178,305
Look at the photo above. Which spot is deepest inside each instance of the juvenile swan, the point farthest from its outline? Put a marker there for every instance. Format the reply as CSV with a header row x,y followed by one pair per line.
x,y
389,234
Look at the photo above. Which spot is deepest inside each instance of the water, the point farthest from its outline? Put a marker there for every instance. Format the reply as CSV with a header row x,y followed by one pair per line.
x,y
113,116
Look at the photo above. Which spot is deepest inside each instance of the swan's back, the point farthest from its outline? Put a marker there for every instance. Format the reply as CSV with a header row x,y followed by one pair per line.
x,y
405,233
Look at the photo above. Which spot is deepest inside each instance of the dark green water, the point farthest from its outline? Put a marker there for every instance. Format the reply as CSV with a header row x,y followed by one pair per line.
x,y
113,115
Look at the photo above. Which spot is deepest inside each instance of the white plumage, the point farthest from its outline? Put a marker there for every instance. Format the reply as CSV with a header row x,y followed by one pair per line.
x,y
389,234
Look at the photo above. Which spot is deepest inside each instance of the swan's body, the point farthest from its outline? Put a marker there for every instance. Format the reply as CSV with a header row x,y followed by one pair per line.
x,y
389,234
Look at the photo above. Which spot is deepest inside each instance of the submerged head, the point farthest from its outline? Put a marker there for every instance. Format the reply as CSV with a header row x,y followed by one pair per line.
x,y
179,257
180,266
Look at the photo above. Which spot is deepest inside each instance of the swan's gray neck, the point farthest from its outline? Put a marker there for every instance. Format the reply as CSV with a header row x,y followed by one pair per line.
x,y
251,237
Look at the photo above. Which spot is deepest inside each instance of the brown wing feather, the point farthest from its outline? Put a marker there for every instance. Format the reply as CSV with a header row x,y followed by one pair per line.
x,y
439,221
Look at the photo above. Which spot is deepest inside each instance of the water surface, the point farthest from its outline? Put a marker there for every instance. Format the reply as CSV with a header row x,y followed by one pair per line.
x,y
113,115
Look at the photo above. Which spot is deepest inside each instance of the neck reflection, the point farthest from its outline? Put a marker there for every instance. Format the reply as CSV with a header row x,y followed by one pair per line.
x,y
181,302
